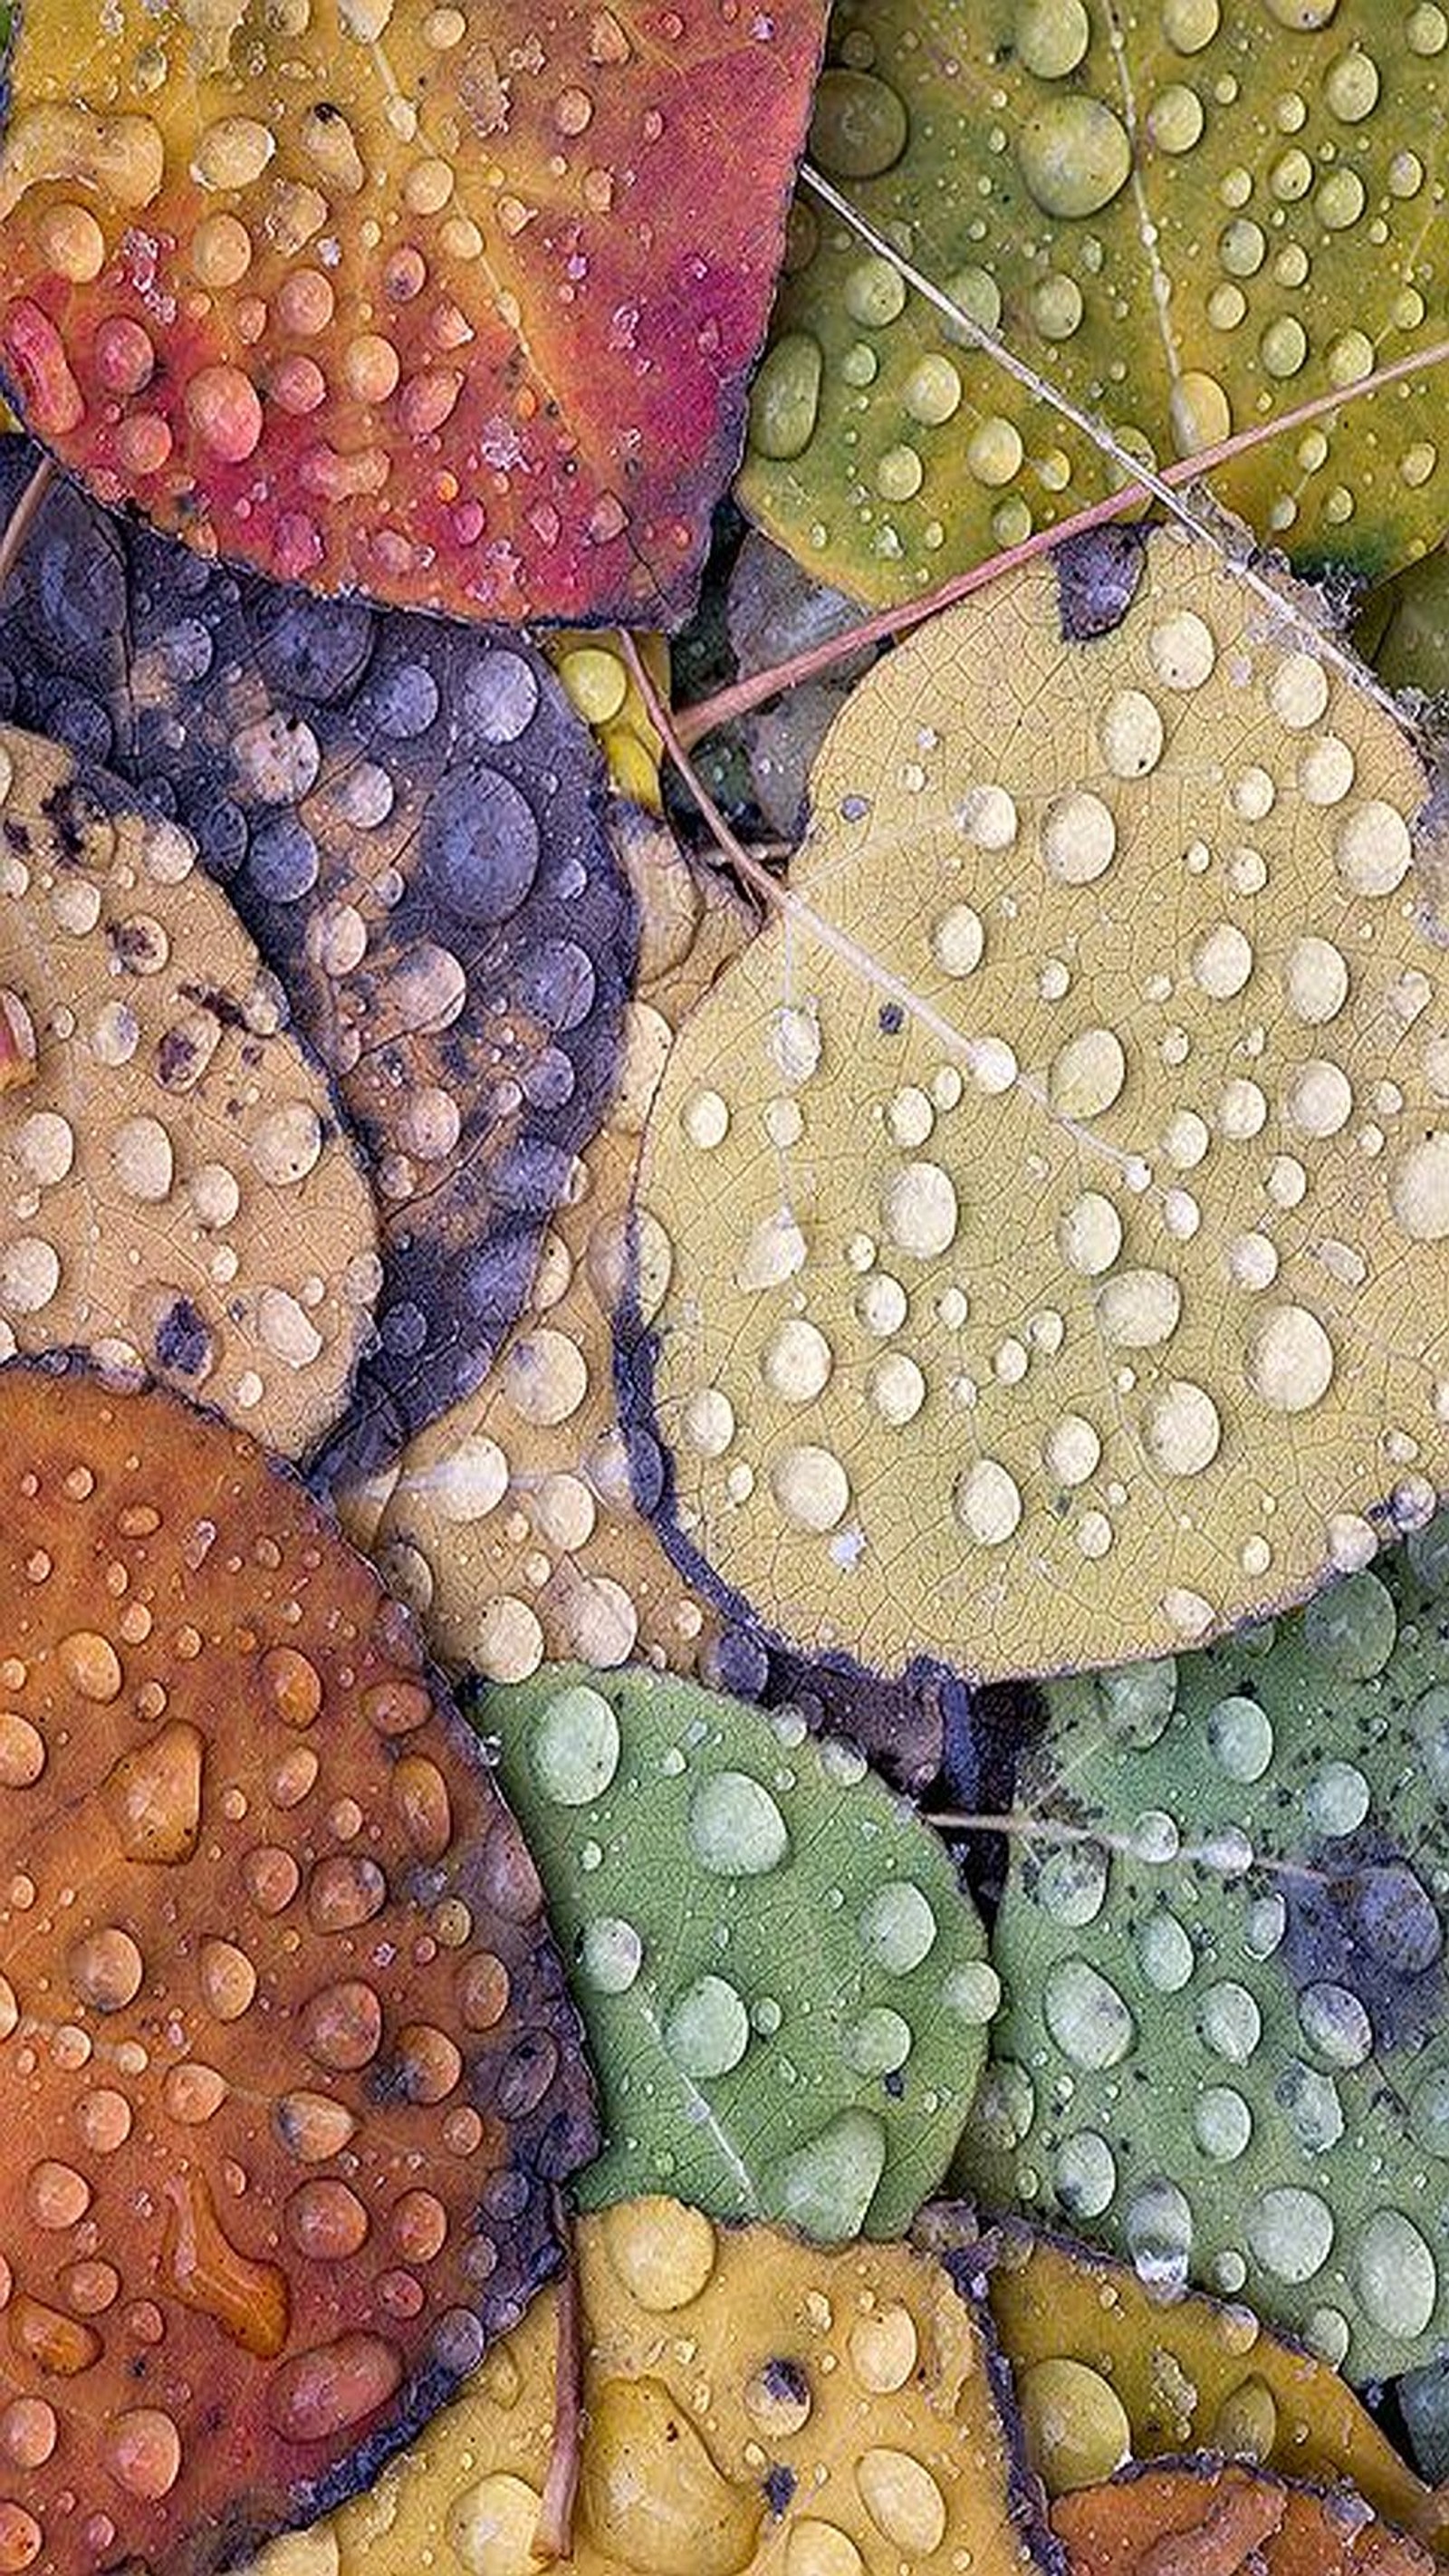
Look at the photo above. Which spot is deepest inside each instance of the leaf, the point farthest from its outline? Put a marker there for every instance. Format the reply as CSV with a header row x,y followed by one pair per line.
x,y
1186,221
1222,1931
782,1980
455,315
289,2072
510,1524
175,1190
603,690
1105,2371
1212,2521
407,817
750,2402
1056,1194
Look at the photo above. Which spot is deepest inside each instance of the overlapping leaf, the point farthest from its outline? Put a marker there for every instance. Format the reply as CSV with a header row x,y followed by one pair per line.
x,y
749,2403
429,303
406,815
783,1983
512,1524
1056,1196
1224,2044
287,2066
1203,2520
175,1191
1188,220
1106,2372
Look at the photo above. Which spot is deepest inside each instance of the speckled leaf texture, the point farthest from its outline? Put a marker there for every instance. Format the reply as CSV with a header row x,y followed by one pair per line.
x,y
288,2072
1057,1192
751,2404
1107,2371
1224,2043
1187,215
1200,2519
433,303
516,1524
177,1191
408,817
784,1986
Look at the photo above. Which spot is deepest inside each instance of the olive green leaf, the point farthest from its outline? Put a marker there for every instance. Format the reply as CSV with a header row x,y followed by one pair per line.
x,y
1224,2046
784,1987
1189,219
1057,1193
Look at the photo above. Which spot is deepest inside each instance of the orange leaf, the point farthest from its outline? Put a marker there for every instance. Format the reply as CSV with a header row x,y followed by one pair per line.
x,y
287,2067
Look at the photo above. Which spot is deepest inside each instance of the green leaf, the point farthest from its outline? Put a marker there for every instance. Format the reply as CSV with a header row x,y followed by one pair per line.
x,y
1225,2041
1057,1191
784,1986
1189,219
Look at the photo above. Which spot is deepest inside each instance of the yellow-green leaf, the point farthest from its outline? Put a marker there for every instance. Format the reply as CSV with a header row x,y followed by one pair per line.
x,y
1190,218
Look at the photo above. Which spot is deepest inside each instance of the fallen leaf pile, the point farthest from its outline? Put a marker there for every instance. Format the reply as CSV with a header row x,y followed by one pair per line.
x,y
723,1008
408,820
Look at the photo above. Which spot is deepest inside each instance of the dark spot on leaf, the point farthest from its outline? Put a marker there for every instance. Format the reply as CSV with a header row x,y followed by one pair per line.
x,y
1359,1916
1097,578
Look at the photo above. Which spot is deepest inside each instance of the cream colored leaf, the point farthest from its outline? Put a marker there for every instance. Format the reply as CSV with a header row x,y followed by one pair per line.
x,y
175,1191
1058,1193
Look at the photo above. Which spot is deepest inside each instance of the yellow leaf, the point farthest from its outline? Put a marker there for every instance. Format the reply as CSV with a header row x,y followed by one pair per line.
x,y
1191,2374
750,2403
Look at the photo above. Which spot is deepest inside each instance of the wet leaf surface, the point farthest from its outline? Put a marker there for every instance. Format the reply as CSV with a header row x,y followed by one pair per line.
x,y
784,1985
1203,2520
1224,2045
409,301
751,2403
176,1192
1056,1194
1105,2371
1187,219
407,817
288,2065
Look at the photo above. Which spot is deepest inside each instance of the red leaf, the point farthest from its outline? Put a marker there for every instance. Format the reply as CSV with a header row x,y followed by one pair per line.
x,y
453,309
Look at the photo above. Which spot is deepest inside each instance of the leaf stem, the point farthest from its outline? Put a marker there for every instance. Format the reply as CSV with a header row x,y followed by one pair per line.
x,y
743,696
554,2537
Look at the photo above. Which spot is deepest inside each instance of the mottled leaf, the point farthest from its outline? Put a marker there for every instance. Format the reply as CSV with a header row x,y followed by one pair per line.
x,y
427,303
407,816
1056,1195
513,1524
1188,219
783,1983
1225,2044
1204,2520
750,2403
288,2070
1107,2372
1404,628
175,1190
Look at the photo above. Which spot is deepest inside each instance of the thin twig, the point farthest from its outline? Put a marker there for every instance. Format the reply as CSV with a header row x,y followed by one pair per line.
x,y
554,2538
23,517
743,696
